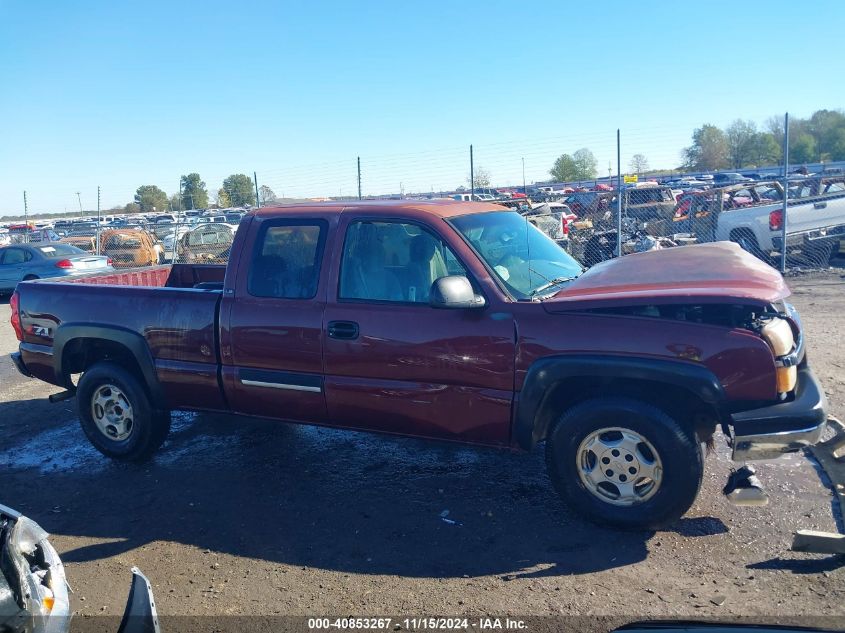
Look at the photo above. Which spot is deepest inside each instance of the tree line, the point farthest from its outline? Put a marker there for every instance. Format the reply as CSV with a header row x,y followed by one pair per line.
x,y
819,138
742,144
237,191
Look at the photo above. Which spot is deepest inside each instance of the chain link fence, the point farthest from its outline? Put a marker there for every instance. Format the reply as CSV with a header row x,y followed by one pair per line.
x,y
594,225
205,240
791,219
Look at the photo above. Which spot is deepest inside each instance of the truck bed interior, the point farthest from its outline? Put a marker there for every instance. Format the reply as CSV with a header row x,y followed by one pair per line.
x,y
186,276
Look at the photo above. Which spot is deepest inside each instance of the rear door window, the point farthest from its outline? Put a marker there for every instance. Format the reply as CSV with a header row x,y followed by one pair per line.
x,y
16,256
286,262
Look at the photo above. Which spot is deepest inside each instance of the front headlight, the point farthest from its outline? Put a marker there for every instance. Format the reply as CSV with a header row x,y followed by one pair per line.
x,y
778,334
38,571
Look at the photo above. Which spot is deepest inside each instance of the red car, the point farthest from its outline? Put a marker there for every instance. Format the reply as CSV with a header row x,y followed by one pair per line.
x,y
451,321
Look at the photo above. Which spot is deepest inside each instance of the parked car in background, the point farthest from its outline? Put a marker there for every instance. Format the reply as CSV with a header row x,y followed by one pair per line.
x,y
87,243
21,262
83,228
212,218
207,243
648,203
728,178
493,193
5,238
168,244
129,248
816,220
553,219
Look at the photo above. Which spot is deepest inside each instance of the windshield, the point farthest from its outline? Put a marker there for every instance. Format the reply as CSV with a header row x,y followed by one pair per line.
x,y
525,260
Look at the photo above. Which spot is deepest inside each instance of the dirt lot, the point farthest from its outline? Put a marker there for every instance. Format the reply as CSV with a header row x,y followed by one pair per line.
x,y
240,516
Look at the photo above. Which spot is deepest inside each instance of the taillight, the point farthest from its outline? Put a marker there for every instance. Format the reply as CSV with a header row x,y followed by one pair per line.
x,y
776,220
564,225
64,263
109,262
15,320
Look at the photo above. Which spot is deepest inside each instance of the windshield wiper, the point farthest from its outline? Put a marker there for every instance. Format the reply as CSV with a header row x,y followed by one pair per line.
x,y
552,282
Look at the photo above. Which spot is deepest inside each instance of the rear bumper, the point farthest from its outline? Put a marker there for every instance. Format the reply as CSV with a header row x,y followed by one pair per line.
x,y
781,428
804,238
36,361
18,361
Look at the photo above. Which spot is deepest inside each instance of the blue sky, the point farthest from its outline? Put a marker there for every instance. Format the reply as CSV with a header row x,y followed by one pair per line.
x,y
124,94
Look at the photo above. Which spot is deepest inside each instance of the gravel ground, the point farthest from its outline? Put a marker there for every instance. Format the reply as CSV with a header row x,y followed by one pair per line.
x,y
238,516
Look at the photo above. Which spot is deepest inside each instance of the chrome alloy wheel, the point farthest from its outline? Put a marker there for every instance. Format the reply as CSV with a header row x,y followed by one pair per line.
x,y
619,466
112,412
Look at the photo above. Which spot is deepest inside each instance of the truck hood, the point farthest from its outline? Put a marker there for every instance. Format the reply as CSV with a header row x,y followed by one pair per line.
x,y
706,273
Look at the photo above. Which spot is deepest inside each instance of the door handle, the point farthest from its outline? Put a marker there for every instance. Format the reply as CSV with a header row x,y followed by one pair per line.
x,y
345,330
820,205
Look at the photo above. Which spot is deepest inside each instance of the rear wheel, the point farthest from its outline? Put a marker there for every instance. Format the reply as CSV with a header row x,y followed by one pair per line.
x,y
116,414
30,277
748,242
625,463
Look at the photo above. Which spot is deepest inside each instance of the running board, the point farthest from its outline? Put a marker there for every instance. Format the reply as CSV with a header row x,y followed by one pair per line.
x,y
62,395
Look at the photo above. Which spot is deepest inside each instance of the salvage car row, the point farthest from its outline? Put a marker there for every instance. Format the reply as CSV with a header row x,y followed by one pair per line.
x,y
55,256
653,216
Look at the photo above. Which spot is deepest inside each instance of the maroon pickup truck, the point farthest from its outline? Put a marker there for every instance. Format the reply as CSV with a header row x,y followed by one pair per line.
x,y
444,320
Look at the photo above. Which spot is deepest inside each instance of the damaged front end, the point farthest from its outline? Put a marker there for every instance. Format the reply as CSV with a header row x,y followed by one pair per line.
x,y
799,416
34,591
794,415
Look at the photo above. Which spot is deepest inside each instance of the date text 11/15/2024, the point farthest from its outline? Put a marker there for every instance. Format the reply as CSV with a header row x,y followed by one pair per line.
x,y
417,623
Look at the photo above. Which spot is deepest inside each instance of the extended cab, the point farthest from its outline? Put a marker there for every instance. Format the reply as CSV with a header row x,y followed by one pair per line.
x,y
445,320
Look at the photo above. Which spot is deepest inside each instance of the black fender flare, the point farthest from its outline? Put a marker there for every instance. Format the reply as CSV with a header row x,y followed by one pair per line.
x,y
132,341
545,373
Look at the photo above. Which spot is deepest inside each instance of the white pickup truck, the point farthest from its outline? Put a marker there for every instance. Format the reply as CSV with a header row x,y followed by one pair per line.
x,y
752,215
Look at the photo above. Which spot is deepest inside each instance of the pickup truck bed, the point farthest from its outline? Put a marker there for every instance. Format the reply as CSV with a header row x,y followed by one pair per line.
x,y
173,307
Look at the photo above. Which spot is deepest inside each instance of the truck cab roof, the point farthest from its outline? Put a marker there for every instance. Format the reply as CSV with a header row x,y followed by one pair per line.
x,y
407,208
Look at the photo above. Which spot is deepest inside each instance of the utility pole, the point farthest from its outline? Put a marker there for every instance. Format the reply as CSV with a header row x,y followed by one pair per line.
x,y
79,198
785,191
359,178
471,175
524,189
255,180
619,193
98,219
25,218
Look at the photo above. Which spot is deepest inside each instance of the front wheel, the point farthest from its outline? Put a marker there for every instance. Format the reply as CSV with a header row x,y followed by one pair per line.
x,y
116,414
625,463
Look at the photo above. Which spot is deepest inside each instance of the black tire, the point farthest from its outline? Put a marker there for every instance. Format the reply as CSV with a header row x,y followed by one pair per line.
x,y
678,451
30,277
149,427
818,254
748,242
